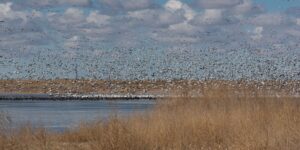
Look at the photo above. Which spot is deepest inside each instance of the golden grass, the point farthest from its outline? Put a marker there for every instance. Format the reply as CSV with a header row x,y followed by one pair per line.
x,y
221,119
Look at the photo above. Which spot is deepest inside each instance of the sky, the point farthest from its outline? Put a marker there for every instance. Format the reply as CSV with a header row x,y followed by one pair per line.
x,y
67,29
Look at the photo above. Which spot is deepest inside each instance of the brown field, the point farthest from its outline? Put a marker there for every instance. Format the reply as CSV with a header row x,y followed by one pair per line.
x,y
145,86
220,119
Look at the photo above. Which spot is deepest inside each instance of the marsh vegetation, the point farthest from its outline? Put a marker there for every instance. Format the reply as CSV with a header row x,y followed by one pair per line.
x,y
219,119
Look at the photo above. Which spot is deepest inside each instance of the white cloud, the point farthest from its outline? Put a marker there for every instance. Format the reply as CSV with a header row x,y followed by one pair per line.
x,y
72,16
6,12
173,5
183,28
243,7
257,33
98,19
72,42
209,16
212,15
189,12
152,17
176,5
298,21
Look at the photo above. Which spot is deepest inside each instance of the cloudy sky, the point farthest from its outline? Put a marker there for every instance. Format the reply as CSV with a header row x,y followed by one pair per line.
x,y
90,24
69,27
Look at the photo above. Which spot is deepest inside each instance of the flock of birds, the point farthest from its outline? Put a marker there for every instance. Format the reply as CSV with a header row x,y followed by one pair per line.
x,y
152,64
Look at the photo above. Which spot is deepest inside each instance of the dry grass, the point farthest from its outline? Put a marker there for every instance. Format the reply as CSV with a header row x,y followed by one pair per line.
x,y
221,119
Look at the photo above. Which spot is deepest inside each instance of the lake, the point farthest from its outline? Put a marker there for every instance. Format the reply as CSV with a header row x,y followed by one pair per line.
x,y
61,115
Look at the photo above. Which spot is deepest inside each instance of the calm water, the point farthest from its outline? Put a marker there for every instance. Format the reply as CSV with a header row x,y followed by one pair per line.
x,y
60,115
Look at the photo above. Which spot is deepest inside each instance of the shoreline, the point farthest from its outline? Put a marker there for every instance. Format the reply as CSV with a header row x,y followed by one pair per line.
x,y
61,97
99,97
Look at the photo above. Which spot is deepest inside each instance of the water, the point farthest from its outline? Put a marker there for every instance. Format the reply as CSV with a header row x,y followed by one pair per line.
x,y
61,115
